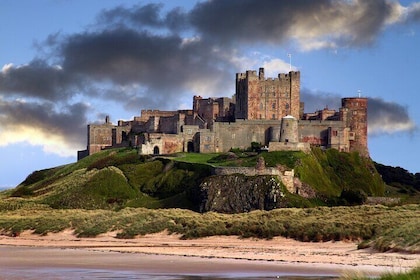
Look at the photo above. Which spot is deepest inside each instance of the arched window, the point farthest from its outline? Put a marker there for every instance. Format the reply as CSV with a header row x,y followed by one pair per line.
x,y
156,150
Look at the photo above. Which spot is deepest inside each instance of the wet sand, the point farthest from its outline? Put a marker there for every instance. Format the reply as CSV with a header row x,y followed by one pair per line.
x,y
163,253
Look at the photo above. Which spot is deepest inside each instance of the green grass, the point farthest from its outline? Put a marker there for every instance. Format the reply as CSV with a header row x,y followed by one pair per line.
x,y
330,172
105,188
193,157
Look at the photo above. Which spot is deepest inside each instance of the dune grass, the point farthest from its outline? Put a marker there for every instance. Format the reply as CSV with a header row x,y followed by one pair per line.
x,y
413,274
387,228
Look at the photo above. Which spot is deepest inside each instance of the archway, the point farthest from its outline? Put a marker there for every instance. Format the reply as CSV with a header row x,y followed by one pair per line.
x,y
190,147
156,150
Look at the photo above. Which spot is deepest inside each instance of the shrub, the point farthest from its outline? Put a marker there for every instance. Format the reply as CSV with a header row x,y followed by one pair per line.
x,y
353,197
22,191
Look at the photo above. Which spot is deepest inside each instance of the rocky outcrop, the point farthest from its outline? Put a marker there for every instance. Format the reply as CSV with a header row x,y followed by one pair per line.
x,y
238,193
303,189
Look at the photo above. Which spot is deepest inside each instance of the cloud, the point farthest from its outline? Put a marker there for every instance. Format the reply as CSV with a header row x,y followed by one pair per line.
x,y
384,117
318,100
412,13
164,66
59,131
38,80
143,17
388,117
311,24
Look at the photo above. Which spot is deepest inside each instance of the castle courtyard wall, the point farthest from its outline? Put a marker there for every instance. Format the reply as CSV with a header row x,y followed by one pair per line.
x,y
242,133
316,132
165,144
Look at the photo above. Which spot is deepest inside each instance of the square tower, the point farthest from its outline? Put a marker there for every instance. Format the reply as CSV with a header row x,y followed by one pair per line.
x,y
258,98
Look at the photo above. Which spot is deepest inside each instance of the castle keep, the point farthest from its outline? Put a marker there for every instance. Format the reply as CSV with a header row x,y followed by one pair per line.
x,y
263,110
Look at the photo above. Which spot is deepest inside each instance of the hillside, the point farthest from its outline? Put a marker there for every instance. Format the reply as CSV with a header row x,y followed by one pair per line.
x,y
400,183
111,191
119,178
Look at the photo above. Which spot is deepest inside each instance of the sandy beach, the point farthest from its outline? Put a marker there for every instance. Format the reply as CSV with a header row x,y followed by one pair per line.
x,y
204,255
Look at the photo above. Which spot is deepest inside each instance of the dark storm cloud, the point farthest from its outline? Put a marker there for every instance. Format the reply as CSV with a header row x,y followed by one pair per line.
x,y
342,22
316,100
37,79
121,55
383,116
311,24
164,66
388,117
69,121
147,15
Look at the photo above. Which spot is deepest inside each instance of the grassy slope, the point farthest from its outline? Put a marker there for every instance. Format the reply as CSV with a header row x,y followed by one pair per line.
x,y
332,172
119,178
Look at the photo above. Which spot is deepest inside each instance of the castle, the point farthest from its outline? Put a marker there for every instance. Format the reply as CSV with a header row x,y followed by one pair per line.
x,y
264,110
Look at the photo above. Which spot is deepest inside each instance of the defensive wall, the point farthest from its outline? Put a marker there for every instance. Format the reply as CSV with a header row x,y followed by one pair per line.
x,y
242,133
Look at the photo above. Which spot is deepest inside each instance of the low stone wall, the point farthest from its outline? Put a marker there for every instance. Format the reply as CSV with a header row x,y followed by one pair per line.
x,y
374,200
286,176
247,171
287,146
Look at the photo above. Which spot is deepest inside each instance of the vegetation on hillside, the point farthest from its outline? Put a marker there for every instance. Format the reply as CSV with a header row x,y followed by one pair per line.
x,y
117,178
400,183
332,172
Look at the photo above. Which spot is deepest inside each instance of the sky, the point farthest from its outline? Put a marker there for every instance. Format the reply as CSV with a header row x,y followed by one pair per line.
x,y
65,64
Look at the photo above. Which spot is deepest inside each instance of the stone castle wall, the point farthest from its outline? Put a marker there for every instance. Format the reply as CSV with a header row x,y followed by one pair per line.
x,y
242,133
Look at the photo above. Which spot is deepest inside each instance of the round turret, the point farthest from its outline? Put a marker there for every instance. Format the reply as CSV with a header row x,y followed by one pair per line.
x,y
289,129
356,119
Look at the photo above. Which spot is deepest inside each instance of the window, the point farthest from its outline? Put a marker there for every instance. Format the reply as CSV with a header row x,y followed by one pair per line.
x,y
273,105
